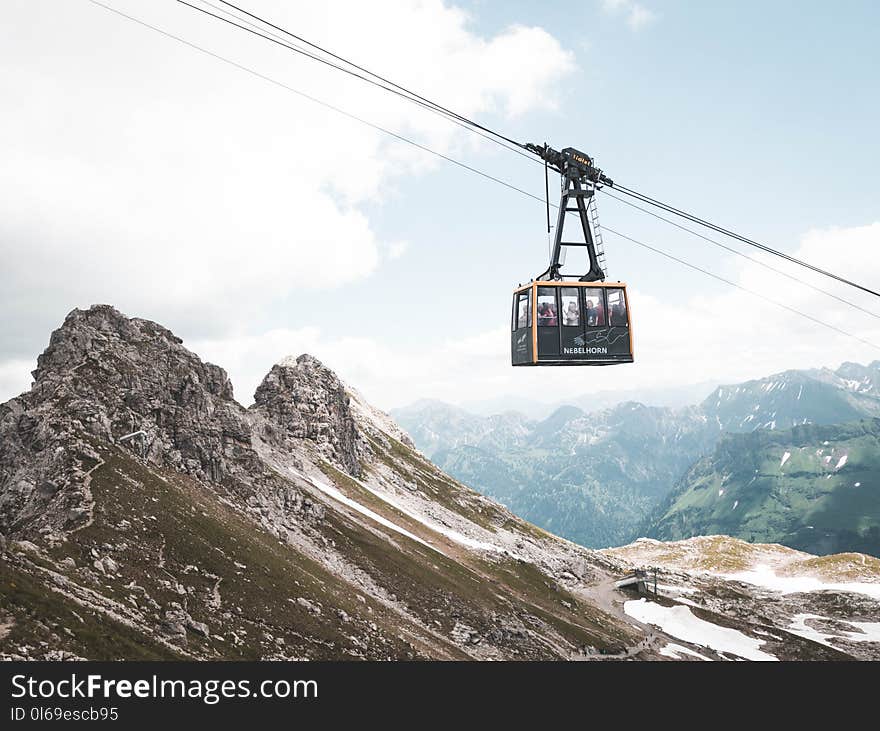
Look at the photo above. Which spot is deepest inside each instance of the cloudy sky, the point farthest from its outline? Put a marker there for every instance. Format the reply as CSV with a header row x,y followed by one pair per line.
x,y
257,223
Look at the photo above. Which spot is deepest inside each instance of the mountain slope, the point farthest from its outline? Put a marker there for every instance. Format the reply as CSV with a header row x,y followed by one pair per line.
x,y
590,478
814,488
788,399
145,514
829,601
305,527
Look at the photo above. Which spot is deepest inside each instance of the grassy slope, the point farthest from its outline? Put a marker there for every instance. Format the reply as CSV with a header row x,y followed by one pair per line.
x,y
173,525
175,541
807,503
41,616
475,589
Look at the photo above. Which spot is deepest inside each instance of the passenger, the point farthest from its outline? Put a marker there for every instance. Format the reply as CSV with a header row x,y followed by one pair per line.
x,y
553,321
570,316
591,313
618,315
600,312
543,314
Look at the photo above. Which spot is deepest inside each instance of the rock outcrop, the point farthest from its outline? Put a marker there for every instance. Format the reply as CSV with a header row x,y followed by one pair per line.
x,y
108,378
102,378
302,399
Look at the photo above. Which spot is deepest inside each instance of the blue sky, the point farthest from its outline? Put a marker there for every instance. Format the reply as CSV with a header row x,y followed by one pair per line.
x,y
759,116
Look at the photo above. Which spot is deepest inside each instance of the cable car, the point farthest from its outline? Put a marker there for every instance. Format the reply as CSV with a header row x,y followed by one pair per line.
x,y
572,319
571,323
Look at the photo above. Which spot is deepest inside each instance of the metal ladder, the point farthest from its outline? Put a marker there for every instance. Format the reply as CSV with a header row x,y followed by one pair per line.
x,y
597,234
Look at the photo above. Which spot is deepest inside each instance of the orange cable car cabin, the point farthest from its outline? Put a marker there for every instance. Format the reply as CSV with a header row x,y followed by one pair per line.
x,y
571,323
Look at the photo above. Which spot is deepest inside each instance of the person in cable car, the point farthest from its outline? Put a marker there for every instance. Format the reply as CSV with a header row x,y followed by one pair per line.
x,y
570,316
591,313
595,313
542,314
546,315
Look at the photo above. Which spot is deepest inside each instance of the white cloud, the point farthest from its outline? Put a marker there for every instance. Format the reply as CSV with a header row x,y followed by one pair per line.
x,y
172,185
396,249
179,189
730,336
637,15
15,378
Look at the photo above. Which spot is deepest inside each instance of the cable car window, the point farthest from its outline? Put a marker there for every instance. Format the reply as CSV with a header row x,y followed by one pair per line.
x,y
594,307
616,308
571,311
547,315
524,311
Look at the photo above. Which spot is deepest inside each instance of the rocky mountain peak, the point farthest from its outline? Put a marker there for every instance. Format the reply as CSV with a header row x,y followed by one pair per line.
x,y
105,377
108,378
108,375
303,399
99,343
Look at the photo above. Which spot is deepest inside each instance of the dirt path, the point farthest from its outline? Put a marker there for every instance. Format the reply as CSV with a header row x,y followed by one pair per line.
x,y
607,597
90,501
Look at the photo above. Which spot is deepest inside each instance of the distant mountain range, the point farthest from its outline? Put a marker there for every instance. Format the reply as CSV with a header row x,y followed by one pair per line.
x,y
600,478
588,477
813,488
670,396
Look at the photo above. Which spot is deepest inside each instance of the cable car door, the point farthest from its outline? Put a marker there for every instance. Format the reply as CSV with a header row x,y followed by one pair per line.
x,y
521,328
548,322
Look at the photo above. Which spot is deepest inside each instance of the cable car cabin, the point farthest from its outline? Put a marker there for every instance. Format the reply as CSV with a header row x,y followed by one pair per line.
x,y
571,323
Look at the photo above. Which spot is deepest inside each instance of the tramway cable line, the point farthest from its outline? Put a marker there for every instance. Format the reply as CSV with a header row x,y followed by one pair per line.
x,y
413,96
376,80
559,318
738,253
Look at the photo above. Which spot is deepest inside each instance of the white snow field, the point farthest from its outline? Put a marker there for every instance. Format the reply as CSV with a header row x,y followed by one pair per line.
x,y
680,622
764,576
865,631
676,651
337,495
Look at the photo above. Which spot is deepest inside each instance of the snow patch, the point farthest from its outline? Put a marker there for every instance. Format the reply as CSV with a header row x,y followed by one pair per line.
x,y
452,535
345,500
785,458
865,631
680,622
764,576
676,651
